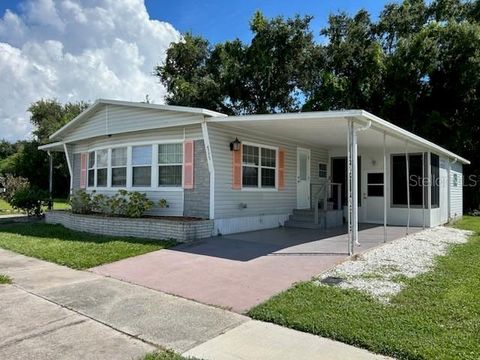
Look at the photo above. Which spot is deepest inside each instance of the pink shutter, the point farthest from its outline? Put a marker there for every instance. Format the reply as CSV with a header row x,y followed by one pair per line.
x,y
281,169
188,164
237,169
83,170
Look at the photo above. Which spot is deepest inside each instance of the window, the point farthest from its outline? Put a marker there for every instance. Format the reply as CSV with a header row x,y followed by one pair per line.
x,y
102,167
322,170
170,162
119,167
435,176
91,169
375,184
141,165
259,167
399,179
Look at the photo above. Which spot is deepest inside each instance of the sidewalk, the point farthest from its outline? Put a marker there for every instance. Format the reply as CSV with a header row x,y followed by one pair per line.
x,y
55,312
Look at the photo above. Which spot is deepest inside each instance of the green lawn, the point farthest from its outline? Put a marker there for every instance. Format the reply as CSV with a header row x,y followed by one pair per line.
x,y
437,315
5,279
58,204
75,249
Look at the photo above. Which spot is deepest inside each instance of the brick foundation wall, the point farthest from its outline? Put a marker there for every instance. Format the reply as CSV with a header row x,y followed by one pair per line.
x,y
182,231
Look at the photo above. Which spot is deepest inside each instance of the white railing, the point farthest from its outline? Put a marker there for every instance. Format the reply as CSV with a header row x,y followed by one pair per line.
x,y
325,190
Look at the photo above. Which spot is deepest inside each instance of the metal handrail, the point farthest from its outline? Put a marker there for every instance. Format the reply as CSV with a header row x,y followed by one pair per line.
x,y
324,187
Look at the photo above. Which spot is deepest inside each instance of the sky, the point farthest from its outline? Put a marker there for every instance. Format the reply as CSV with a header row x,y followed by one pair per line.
x,y
75,50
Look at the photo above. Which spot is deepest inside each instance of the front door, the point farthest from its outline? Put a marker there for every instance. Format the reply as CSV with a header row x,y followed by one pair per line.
x,y
303,178
374,197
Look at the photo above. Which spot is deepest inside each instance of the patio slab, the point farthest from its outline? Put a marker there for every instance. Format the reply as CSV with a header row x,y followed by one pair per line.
x,y
239,271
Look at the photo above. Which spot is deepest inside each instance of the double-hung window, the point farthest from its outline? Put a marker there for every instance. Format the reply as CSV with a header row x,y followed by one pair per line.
x,y
119,167
259,166
142,166
170,162
102,167
91,169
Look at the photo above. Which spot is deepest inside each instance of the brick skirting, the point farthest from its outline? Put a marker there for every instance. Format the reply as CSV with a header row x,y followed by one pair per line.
x,y
162,229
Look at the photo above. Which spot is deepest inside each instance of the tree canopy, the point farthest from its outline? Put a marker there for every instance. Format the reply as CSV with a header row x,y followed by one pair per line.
x,y
417,66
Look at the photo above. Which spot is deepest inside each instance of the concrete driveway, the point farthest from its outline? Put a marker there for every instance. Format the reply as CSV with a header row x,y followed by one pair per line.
x,y
239,271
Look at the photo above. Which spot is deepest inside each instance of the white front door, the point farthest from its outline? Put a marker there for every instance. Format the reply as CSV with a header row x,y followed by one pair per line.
x,y
303,178
373,197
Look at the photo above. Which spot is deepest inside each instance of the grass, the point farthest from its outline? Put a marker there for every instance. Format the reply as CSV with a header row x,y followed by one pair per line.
x,y
437,315
74,249
165,355
5,279
58,204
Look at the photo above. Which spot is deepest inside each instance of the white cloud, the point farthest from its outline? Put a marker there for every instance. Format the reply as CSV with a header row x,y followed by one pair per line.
x,y
77,50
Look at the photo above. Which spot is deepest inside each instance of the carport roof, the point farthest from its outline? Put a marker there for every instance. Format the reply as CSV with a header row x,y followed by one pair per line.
x,y
329,128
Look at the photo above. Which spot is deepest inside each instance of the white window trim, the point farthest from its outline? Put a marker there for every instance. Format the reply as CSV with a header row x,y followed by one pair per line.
x,y
129,187
259,187
111,167
169,164
326,170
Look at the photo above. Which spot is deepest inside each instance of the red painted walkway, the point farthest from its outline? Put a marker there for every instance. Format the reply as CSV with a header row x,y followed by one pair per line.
x,y
242,270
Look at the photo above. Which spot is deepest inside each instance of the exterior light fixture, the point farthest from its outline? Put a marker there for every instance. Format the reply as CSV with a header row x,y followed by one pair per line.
x,y
235,145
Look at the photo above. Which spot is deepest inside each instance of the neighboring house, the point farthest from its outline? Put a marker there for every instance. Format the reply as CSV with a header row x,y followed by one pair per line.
x,y
260,171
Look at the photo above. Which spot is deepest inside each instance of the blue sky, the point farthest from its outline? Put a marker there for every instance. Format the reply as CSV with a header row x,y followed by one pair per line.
x,y
81,50
220,20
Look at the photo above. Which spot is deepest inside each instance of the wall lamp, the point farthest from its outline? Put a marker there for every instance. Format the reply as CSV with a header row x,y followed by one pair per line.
x,y
235,145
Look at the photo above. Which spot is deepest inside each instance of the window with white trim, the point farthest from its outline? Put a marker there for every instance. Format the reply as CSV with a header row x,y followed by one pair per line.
x,y
170,162
102,167
322,170
119,167
91,169
259,167
142,166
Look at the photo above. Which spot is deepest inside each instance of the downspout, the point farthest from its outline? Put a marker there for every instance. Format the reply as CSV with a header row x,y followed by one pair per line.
x,y
70,170
211,169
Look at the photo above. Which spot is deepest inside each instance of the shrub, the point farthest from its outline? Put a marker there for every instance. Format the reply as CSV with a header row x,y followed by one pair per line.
x,y
30,200
12,184
123,203
163,203
80,201
137,204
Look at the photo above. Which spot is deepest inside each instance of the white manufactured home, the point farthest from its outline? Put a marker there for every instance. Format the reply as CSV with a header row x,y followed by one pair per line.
x,y
263,171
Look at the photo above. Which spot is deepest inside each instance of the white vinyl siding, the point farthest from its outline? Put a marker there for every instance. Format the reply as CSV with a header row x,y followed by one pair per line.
x,y
228,201
117,119
456,192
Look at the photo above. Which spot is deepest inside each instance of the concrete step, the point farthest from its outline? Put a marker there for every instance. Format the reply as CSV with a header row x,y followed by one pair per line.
x,y
302,217
304,224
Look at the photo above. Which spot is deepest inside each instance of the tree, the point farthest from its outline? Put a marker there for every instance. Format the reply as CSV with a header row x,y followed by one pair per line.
x,y
49,115
267,75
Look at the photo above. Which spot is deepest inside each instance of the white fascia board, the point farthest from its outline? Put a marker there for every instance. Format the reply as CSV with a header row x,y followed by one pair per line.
x,y
51,146
314,115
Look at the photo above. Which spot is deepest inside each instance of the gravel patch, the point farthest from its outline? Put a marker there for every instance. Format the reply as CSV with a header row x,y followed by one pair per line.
x,y
379,272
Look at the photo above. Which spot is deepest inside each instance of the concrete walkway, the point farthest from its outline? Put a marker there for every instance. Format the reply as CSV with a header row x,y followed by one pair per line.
x,y
53,312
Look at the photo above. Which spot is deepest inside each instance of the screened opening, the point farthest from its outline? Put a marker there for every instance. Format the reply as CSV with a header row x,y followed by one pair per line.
x,y
435,176
399,179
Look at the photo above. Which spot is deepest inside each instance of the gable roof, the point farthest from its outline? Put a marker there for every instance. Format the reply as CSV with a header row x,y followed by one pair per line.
x,y
100,102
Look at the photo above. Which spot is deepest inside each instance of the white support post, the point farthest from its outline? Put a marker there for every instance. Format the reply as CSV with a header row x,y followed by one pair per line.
x,y
355,186
349,186
407,165
423,190
384,186
50,180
